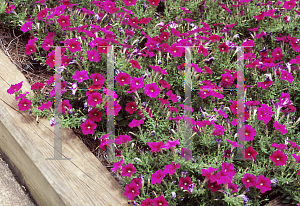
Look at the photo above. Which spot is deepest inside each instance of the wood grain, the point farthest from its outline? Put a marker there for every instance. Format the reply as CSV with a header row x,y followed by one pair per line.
x,y
81,181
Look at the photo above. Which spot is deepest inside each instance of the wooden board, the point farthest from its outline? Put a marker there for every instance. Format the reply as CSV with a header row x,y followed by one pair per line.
x,y
81,181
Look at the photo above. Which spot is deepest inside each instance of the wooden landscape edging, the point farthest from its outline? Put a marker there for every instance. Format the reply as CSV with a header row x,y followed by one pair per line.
x,y
25,144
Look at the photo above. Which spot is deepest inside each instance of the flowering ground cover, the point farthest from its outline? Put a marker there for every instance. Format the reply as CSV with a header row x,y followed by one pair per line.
x,y
159,163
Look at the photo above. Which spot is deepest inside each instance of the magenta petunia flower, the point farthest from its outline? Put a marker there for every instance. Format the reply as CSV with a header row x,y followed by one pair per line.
x,y
265,84
227,79
95,115
136,84
117,165
73,45
171,168
112,108
285,75
249,180
263,183
228,169
94,99
136,123
289,4
176,50
249,152
24,104
93,55
152,90
184,182
14,88
156,146
277,54
102,46
264,113
157,177
131,190
213,186
147,202
47,44
128,170
10,9
223,47
135,64
280,127
279,158
45,106
154,2
202,50
80,76
171,144
160,201
98,79
42,14
88,127
123,78
248,131
37,86
29,49
26,26
64,21
129,2
50,61
131,107
208,172
297,158
122,139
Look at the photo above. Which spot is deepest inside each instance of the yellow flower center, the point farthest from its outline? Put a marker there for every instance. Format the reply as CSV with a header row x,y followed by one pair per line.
x,y
151,90
63,21
248,180
277,158
88,127
25,105
95,99
249,154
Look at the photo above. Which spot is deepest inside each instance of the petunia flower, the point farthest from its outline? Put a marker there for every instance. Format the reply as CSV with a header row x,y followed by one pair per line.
x,y
93,55
279,158
147,202
285,75
122,139
24,104
152,90
223,47
157,177
14,88
280,127
80,76
37,86
73,45
154,2
160,201
184,182
64,106
228,169
29,49
88,127
45,106
171,144
117,165
248,131
64,21
123,78
26,26
263,183
95,115
129,2
156,146
249,180
213,186
289,4
131,190
135,64
94,99
171,168
128,170
249,153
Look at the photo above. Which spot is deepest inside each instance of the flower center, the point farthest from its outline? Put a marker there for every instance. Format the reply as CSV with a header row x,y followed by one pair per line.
x,y
88,127
95,100
63,21
96,80
73,47
129,171
204,92
25,105
95,114
123,80
185,184
160,203
261,183
248,180
137,83
174,51
132,107
249,154
225,170
30,49
81,77
277,158
247,133
151,90
132,191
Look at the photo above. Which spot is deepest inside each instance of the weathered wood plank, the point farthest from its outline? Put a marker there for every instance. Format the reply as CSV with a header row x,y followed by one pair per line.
x,y
83,180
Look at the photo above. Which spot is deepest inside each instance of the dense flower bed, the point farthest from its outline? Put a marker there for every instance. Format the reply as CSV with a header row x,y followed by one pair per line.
x,y
160,164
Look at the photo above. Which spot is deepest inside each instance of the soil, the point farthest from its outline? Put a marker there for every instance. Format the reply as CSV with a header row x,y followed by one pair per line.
x,y
13,43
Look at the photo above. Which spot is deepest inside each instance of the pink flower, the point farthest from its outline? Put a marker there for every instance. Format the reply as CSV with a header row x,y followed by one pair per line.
x,y
208,172
285,75
45,106
264,84
136,123
264,113
135,64
102,46
47,44
117,165
223,47
171,144
14,88
280,127
154,2
263,183
279,158
128,170
73,45
219,130
113,108
64,21
26,26
157,177
185,182
249,180
94,99
42,14
80,76
131,107
152,90
227,79
171,168
24,104
122,139
98,79
10,9
277,54
95,115
63,106
156,146
147,202
175,50
21,96
248,131
249,152
297,158
110,7
129,2
93,55
123,78
228,169
37,86
50,61
202,50
29,49
136,84
279,146
88,127
213,186
160,201
131,190
289,4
